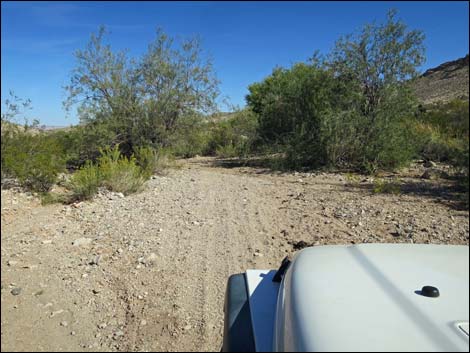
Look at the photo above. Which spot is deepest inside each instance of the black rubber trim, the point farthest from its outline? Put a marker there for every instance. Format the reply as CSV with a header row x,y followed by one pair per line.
x,y
238,329
282,270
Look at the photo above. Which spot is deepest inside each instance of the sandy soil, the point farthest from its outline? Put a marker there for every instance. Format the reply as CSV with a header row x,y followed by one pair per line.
x,y
148,271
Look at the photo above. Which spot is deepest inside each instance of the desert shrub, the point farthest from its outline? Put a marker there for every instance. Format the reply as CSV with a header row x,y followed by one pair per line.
x,y
50,197
386,187
119,173
35,160
316,120
164,159
190,137
84,182
82,143
443,131
141,101
147,160
112,171
233,137
350,109
227,151
352,179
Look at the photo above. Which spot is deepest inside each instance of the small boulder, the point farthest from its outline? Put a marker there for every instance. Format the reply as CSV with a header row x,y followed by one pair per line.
x,y
16,291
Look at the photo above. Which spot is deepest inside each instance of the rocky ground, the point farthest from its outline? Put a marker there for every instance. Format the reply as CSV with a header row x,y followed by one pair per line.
x,y
148,271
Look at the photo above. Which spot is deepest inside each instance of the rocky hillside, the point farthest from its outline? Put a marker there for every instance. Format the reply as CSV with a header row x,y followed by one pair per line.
x,y
443,83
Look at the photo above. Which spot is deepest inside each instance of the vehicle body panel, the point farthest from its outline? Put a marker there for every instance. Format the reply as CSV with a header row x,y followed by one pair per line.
x,y
367,297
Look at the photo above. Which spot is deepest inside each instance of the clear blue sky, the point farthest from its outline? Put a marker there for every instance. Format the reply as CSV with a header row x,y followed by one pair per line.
x,y
245,39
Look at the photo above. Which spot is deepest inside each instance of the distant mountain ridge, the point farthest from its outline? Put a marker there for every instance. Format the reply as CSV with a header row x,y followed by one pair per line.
x,y
445,82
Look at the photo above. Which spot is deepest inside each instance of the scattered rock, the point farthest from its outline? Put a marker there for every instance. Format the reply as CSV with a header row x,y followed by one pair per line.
x,y
403,231
54,313
64,323
151,259
429,164
95,260
29,266
12,263
102,325
46,242
118,334
81,241
258,253
143,322
16,291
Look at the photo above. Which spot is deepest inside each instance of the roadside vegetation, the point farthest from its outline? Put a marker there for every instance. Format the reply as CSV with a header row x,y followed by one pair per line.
x,y
352,109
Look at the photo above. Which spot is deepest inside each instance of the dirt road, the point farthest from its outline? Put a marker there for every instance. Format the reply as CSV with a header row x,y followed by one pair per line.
x,y
148,271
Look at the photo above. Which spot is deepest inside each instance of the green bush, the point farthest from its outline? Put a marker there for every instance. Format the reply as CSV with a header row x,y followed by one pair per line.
x,y
83,142
119,173
48,198
227,151
34,159
316,119
386,187
147,160
233,137
191,137
113,171
443,131
350,109
84,182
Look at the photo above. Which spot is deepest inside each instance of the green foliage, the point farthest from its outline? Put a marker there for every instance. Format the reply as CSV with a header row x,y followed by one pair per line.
x,y
84,182
112,171
35,160
141,102
352,109
234,136
48,198
386,187
190,137
119,173
443,131
83,142
148,160
352,179
229,135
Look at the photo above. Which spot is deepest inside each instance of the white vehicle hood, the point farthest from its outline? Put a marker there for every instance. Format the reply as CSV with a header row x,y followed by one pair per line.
x,y
367,298
364,298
